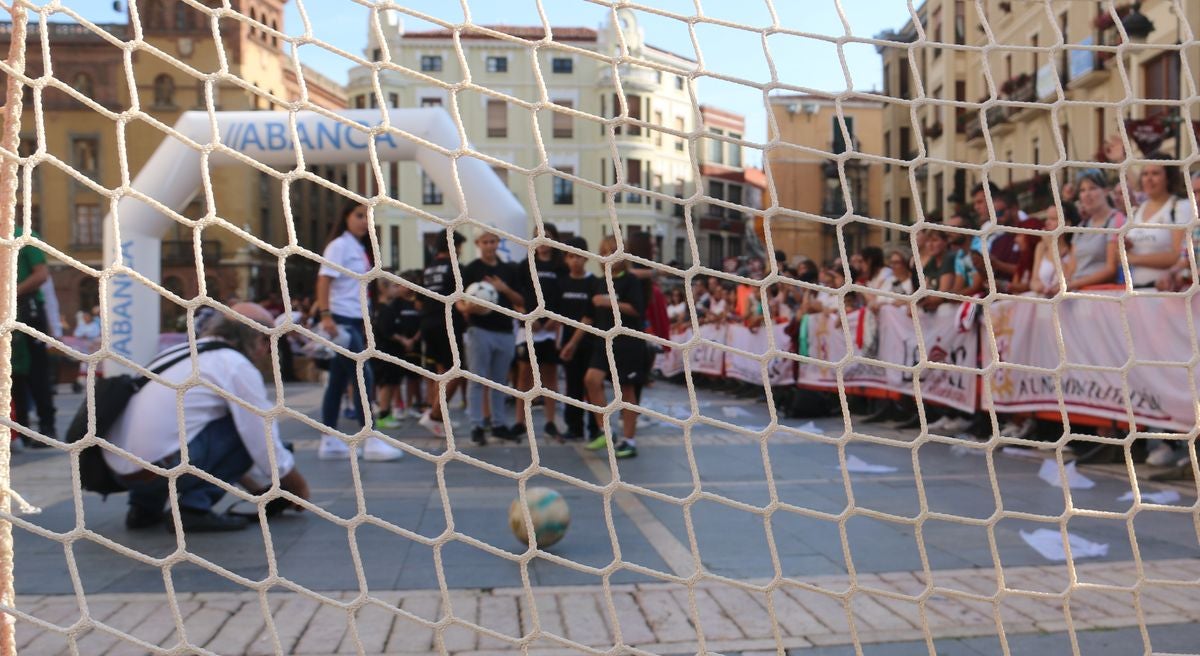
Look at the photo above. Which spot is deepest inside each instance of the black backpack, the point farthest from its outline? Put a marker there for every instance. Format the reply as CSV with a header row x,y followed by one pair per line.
x,y
112,395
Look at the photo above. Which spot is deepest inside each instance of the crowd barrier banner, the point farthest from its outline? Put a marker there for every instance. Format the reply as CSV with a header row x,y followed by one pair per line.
x,y
1161,396
781,371
670,361
945,342
705,358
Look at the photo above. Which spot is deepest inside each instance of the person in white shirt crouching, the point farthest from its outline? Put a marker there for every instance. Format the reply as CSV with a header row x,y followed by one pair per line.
x,y
224,438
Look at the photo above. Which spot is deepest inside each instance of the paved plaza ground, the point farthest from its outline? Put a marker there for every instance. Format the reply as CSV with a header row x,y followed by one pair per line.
x,y
900,562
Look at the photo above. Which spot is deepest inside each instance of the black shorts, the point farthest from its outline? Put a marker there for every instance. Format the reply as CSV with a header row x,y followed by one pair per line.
x,y
387,373
436,340
545,350
629,354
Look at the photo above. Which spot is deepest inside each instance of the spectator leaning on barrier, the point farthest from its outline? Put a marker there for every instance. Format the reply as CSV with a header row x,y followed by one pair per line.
x,y
1097,260
1180,276
224,438
1157,228
1054,253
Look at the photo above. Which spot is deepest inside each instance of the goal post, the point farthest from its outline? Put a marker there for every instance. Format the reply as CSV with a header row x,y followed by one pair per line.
x,y
172,177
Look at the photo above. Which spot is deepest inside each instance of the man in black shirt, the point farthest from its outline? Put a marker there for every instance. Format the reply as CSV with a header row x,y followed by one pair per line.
x,y
490,342
629,352
439,279
577,288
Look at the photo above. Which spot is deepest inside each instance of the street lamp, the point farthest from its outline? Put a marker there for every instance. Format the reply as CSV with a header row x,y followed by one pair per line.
x,y
1136,25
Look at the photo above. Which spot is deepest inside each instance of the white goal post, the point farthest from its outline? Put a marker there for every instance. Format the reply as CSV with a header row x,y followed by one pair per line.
x,y
174,174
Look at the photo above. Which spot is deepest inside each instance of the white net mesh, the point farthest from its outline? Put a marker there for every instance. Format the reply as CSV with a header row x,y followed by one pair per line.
x,y
1048,316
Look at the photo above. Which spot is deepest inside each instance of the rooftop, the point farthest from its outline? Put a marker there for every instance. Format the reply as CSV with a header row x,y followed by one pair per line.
x,y
528,32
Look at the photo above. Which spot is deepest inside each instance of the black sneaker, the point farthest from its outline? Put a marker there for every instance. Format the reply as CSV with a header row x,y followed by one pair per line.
x,y
514,433
625,450
551,431
207,522
138,518
477,436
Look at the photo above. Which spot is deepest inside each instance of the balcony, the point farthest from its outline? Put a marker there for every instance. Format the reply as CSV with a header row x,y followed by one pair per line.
x,y
997,120
181,252
974,126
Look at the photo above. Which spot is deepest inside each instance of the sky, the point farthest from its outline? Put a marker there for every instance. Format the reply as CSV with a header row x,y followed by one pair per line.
x,y
801,61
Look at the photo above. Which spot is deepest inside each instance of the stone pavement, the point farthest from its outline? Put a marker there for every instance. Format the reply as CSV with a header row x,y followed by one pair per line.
x,y
700,500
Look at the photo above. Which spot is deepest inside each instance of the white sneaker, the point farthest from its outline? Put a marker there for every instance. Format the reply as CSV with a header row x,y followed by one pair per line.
x,y
956,425
413,413
432,425
1015,431
940,424
376,450
334,449
1161,456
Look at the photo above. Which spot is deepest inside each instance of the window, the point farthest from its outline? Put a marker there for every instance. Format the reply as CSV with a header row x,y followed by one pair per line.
x,y
394,245
904,71
735,151
716,147
431,102
937,30
679,82
658,120
393,100
155,19
377,54
887,79
497,118
84,155
680,130
183,22
1162,77
360,102
88,229
564,124
634,109
960,22
633,177
733,194
394,180
164,91
497,64
431,63
905,140
82,83
430,194
562,65
960,96
564,189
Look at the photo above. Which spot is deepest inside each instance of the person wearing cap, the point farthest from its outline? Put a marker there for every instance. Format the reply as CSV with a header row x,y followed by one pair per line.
x,y
225,434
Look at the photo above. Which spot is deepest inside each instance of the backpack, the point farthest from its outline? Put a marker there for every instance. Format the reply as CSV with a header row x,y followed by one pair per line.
x,y
112,396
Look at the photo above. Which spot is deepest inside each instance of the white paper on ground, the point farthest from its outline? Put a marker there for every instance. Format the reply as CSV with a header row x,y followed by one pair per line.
x,y
1162,497
679,412
810,427
1049,544
733,411
859,466
1075,480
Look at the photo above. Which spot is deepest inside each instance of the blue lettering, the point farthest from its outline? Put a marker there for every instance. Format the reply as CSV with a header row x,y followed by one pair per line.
x,y
351,133
328,130
123,330
302,132
251,135
276,137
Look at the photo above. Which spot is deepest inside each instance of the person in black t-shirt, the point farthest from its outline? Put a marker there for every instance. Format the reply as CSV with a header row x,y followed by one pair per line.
x,y
490,343
578,287
629,352
438,278
387,374
407,307
548,263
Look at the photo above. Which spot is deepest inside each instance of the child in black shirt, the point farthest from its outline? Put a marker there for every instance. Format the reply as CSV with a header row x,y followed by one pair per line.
x,y
577,288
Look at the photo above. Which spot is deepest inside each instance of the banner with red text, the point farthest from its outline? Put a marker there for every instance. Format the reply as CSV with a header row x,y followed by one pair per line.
x,y
705,358
1160,396
781,371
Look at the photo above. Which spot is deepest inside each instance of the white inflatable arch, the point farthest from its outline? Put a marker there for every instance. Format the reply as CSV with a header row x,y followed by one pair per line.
x,y
172,176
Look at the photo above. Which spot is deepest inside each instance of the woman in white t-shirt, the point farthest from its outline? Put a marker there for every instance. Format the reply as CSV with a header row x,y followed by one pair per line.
x,y
342,312
1158,226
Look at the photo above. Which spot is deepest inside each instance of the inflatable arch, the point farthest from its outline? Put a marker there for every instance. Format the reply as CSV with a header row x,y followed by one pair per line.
x,y
172,176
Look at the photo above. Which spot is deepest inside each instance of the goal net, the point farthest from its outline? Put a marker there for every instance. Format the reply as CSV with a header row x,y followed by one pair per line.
x,y
888,312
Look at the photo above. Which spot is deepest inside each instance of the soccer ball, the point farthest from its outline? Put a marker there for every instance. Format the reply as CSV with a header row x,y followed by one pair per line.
x,y
549,513
483,291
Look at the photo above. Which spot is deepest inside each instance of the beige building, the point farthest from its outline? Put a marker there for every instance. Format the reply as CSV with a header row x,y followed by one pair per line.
x,y
579,149
1028,141
721,231
807,180
69,213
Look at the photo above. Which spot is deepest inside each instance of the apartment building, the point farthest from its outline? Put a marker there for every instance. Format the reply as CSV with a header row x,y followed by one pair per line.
x,y
648,149
1052,98
69,213
807,181
721,230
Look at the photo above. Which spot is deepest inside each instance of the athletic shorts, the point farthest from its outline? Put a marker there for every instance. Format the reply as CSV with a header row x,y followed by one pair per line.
x,y
437,345
545,350
629,354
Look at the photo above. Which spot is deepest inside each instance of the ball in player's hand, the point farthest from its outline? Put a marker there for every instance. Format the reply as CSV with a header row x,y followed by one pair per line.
x,y
550,514
483,291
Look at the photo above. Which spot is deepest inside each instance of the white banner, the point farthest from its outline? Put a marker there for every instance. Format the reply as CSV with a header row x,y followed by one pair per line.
x,y
1161,396
747,369
705,358
670,362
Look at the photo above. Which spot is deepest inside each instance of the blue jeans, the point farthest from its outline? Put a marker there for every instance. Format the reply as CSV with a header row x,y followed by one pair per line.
x,y
343,371
489,355
218,450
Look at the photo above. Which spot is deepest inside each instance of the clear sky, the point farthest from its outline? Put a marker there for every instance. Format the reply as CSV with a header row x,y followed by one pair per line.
x,y
727,51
